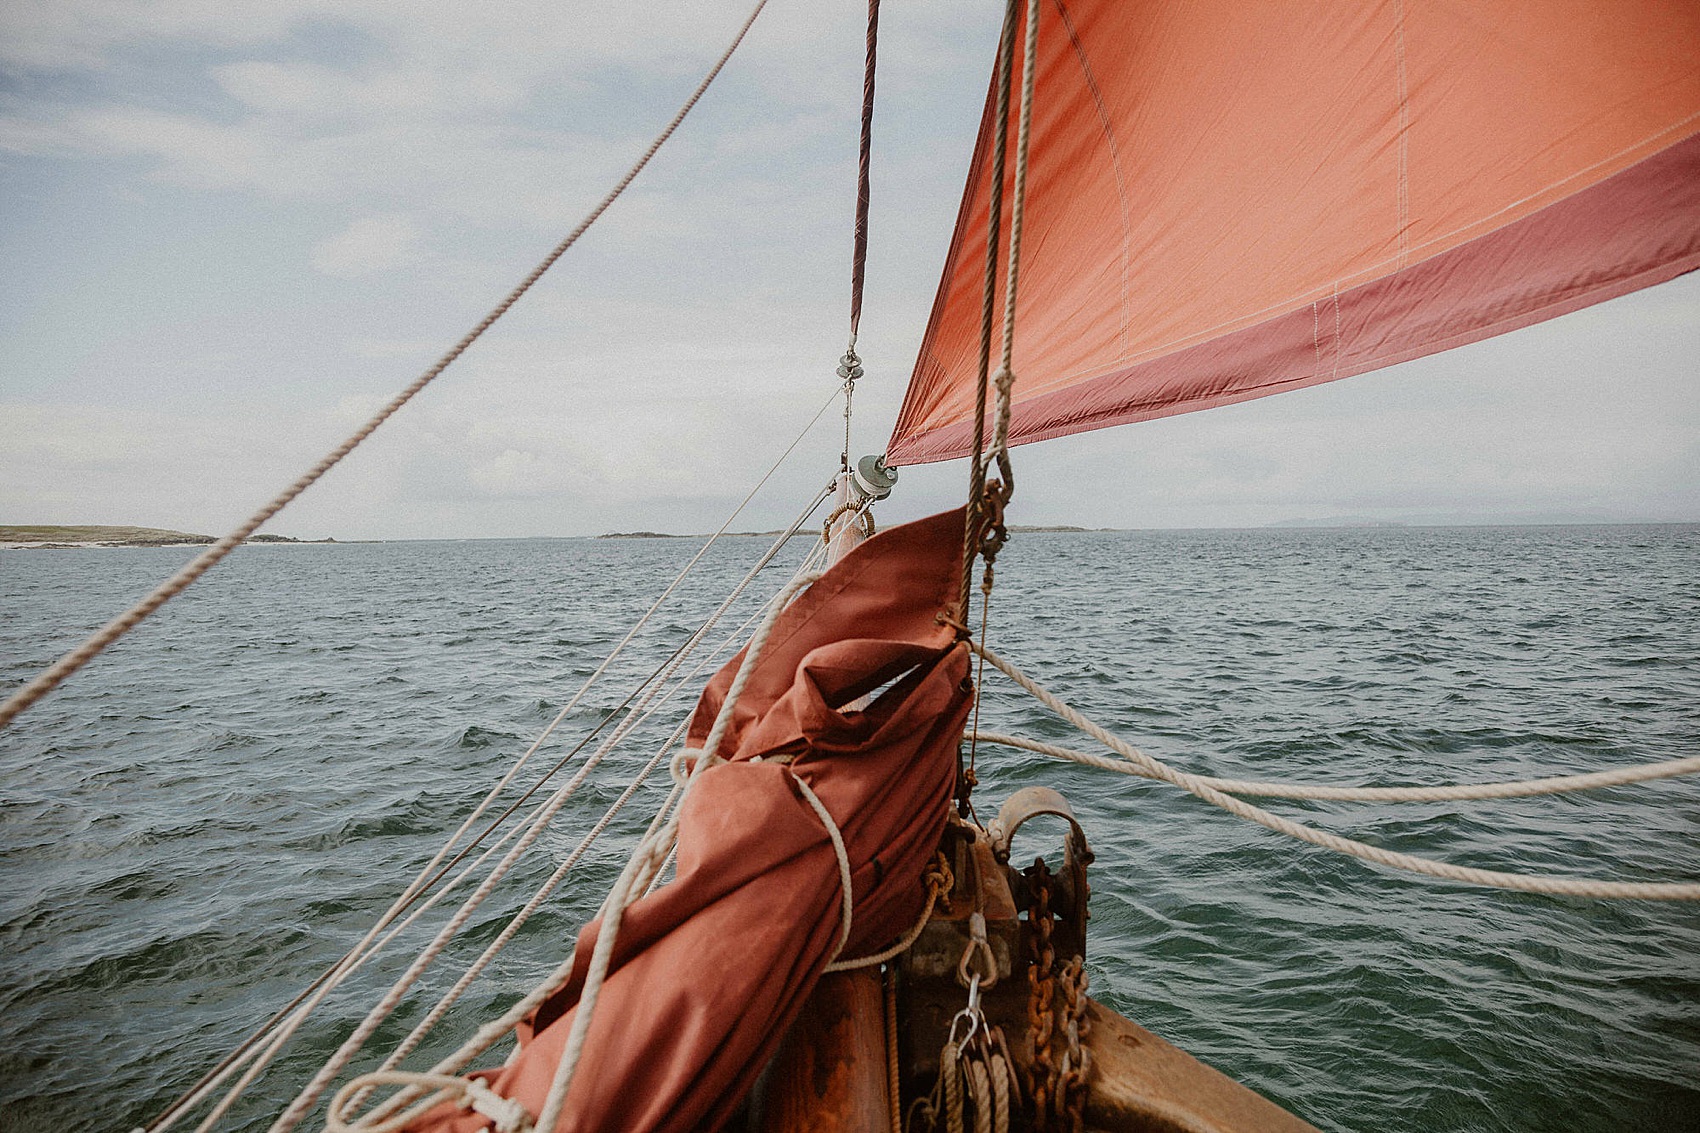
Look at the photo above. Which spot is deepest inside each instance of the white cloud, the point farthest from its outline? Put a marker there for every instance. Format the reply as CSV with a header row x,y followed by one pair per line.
x,y
370,245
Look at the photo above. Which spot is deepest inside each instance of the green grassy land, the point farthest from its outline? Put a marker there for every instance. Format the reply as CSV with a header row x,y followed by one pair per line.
x,y
47,533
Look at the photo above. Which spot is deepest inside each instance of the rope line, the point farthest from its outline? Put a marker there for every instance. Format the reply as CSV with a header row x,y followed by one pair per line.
x,y
55,674
495,1030
988,301
641,868
847,901
313,994
532,830
1527,883
859,257
1509,789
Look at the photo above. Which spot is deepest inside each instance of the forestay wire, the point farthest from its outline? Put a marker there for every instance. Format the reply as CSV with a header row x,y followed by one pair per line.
x,y
56,674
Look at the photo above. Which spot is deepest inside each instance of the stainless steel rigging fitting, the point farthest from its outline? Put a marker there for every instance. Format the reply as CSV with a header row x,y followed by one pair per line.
x,y
850,366
872,478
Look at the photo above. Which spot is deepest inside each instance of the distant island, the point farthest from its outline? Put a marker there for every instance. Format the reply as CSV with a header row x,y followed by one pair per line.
x,y
91,535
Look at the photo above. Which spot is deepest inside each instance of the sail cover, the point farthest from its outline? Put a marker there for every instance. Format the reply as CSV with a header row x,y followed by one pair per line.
x,y
709,969
1228,200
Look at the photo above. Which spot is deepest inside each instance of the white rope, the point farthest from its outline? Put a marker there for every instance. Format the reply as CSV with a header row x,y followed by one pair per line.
x,y
506,1114
425,1025
449,998
902,945
260,1055
1511,789
51,678
1527,883
494,1031
1004,380
847,904
534,826
645,862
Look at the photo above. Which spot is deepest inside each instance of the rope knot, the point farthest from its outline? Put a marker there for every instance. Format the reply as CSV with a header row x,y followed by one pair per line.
x,y
507,1115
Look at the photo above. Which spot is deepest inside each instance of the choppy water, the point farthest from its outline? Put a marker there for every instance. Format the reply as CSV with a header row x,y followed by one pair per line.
x,y
206,818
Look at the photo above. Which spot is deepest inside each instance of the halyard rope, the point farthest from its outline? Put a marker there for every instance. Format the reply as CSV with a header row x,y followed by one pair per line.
x,y
51,678
1527,883
988,301
1004,381
847,901
1456,792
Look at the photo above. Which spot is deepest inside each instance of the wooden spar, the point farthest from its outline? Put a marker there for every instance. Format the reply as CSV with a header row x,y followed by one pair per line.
x,y
829,1075
830,1072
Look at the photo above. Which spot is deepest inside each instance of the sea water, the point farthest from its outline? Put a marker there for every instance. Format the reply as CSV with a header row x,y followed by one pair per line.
x,y
211,814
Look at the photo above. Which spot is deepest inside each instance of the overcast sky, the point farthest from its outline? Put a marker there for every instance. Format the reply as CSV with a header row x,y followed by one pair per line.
x,y
230,231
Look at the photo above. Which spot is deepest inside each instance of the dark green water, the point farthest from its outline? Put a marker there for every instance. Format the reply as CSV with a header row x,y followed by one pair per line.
x,y
206,818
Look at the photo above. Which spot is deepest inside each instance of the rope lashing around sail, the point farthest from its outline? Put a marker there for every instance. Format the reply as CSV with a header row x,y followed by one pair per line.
x,y
506,1115
293,1014
54,675
1496,879
1454,792
646,860
939,882
327,1073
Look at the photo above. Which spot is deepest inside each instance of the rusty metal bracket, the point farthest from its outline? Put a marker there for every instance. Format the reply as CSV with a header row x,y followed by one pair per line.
x,y
1030,802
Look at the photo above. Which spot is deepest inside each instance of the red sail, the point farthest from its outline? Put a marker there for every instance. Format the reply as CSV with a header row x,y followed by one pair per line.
x,y
710,969
1228,200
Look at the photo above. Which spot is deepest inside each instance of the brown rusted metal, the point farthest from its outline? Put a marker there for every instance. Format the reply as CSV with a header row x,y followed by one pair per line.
x,y
1041,1068
1099,1071
930,992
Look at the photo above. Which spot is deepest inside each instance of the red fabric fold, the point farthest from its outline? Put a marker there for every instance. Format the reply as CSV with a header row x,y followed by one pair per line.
x,y
710,969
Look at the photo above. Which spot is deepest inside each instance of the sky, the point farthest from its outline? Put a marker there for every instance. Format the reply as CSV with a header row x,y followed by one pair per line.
x,y
231,231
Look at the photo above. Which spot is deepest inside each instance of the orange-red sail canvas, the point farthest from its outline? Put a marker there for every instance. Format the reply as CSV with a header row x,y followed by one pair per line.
x,y
1228,200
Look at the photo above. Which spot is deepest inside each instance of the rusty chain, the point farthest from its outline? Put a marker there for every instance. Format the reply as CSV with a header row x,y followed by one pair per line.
x,y
1077,1061
1057,1074
1041,982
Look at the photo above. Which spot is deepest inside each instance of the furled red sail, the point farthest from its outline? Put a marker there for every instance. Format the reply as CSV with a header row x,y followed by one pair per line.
x,y
1228,200
710,969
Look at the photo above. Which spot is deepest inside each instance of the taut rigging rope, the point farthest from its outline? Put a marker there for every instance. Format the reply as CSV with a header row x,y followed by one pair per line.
x,y
56,674
1316,792
1197,785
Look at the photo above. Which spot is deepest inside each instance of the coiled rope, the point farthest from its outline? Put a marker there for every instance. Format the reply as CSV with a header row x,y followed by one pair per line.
x,y
1496,879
